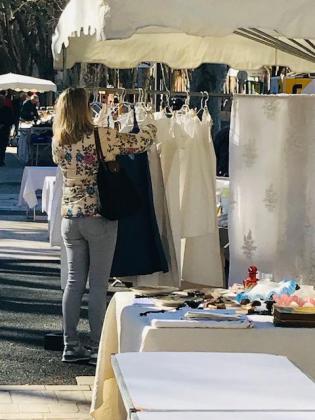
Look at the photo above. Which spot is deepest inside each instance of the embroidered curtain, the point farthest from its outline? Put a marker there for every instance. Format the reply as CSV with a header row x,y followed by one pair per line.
x,y
272,172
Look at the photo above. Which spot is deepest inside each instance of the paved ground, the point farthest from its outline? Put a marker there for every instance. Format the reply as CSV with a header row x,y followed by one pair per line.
x,y
30,295
30,307
47,402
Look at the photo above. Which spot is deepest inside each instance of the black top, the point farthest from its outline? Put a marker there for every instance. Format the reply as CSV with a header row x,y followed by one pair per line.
x,y
6,119
29,111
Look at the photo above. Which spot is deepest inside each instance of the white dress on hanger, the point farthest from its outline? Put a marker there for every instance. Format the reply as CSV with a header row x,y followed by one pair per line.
x,y
198,194
188,170
170,138
202,262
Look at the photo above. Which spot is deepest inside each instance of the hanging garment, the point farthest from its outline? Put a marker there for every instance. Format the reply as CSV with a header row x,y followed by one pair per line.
x,y
183,144
139,249
171,278
272,208
201,249
169,136
198,191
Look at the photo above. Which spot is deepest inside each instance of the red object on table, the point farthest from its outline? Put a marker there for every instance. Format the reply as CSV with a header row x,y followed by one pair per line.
x,y
251,280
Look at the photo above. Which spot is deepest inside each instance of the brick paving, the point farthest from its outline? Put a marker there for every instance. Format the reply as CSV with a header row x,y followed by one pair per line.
x,y
23,402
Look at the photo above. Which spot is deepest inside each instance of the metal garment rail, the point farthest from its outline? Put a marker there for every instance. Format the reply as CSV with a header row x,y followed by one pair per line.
x,y
141,91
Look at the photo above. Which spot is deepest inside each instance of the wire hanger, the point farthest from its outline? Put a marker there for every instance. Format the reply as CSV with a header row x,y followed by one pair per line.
x,y
204,102
185,108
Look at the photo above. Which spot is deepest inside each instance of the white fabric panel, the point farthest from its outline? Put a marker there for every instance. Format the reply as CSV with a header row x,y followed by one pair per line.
x,y
272,205
55,221
47,195
180,33
26,83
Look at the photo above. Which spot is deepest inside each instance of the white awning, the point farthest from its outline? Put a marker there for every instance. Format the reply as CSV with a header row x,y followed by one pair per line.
x,y
19,82
245,34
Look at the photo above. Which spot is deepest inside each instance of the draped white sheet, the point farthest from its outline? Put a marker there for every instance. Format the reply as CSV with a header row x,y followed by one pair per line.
x,y
272,208
181,33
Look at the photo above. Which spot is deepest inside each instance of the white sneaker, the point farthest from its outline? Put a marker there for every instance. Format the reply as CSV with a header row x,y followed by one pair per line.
x,y
73,354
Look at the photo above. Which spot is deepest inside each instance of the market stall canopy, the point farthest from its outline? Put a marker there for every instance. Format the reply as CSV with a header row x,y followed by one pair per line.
x,y
19,82
245,34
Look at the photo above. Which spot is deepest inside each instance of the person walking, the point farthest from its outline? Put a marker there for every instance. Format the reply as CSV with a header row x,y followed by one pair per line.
x,y
89,238
6,121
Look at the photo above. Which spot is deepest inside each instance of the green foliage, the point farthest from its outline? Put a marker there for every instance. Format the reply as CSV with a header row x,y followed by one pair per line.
x,y
26,27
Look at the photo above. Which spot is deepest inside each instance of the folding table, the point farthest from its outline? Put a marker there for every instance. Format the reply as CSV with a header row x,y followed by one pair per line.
x,y
215,415
32,181
211,382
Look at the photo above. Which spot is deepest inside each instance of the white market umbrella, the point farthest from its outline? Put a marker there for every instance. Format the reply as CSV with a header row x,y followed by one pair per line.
x,y
245,34
19,82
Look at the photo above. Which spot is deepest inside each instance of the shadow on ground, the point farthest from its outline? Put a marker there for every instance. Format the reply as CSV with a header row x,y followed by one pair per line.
x,y
30,307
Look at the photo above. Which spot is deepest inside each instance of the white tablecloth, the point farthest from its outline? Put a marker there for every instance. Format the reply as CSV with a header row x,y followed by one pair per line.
x,y
168,382
125,331
55,220
48,194
33,180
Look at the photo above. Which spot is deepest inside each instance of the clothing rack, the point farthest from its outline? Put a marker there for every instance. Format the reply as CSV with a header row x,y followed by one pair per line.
x,y
141,91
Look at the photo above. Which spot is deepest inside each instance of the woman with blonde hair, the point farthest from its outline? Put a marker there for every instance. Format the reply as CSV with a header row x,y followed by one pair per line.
x,y
89,238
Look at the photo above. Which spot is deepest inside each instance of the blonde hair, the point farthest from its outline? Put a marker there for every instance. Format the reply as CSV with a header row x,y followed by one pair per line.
x,y
73,119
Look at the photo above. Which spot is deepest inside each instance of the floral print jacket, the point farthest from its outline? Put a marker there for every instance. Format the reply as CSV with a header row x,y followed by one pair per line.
x,y
79,165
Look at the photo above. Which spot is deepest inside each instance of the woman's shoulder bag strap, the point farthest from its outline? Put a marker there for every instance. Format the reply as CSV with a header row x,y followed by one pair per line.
x,y
98,146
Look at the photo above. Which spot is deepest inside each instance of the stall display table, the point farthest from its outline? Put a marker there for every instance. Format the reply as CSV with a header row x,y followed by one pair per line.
x,y
33,180
24,150
47,195
167,382
125,330
214,415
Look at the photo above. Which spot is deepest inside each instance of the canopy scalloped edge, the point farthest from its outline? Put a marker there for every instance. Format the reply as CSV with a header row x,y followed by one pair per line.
x,y
117,21
185,51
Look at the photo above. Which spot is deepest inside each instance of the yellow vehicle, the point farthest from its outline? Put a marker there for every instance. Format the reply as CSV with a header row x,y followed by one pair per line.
x,y
299,84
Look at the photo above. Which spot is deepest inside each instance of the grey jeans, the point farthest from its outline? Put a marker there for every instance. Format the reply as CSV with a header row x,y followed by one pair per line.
x,y
90,243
